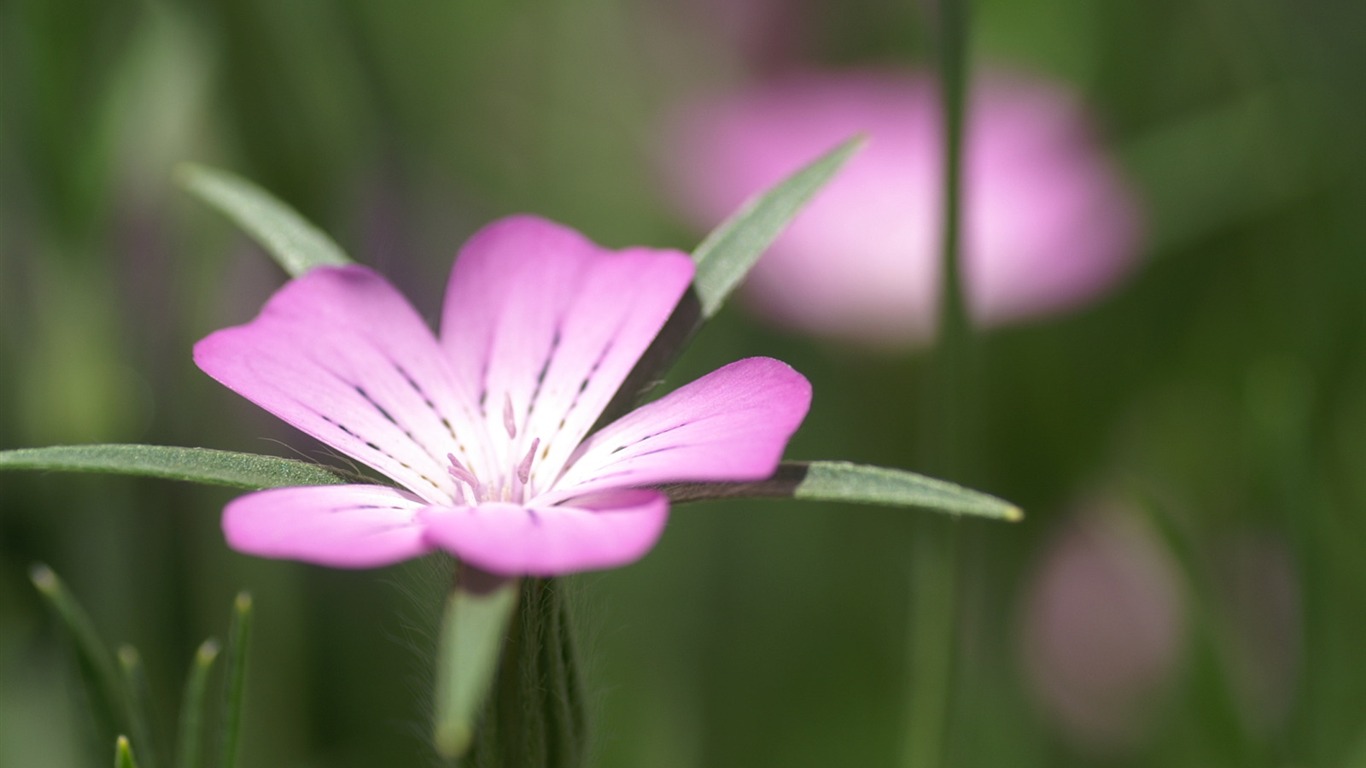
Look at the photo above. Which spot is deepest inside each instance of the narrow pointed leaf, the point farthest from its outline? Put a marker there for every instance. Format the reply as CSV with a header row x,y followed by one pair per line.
x,y
855,483
190,746
123,754
289,238
138,699
728,253
102,684
235,678
723,259
472,634
195,465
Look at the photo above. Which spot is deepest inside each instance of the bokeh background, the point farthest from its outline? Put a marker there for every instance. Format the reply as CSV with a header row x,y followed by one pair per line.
x,y
1190,444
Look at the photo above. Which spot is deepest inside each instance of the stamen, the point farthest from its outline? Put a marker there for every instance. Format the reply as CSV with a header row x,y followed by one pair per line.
x,y
460,473
524,469
457,470
508,423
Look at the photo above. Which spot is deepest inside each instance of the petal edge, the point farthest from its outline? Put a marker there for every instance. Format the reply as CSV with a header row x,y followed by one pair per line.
x,y
340,526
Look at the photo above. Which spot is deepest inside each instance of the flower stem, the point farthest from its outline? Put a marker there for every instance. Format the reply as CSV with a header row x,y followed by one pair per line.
x,y
934,590
933,619
535,713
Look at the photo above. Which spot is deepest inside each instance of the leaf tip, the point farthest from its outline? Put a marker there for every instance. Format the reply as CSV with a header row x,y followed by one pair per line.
x,y
241,605
129,657
123,753
44,578
208,651
1014,515
856,143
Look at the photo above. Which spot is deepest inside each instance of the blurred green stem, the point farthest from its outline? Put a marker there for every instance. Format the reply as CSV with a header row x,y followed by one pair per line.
x,y
934,592
535,714
189,749
235,679
123,754
103,683
139,700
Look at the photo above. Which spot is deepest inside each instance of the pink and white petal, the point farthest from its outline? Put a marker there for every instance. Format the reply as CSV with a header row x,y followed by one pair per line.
x,y
730,425
341,526
341,355
591,533
541,318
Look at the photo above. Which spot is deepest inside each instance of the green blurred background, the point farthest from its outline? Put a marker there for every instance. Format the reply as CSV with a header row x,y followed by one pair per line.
x,y
1197,439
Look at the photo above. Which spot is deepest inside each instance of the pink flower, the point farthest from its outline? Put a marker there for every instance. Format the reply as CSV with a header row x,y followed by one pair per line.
x,y
486,429
1048,224
1104,628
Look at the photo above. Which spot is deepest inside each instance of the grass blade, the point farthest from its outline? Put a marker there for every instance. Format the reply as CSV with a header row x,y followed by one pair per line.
x,y
195,465
235,679
190,746
138,698
102,684
123,754
854,483
472,634
288,237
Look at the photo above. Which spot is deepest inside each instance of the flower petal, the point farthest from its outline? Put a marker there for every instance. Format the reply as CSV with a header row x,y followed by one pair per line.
x,y
540,319
341,355
602,531
341,526
729,425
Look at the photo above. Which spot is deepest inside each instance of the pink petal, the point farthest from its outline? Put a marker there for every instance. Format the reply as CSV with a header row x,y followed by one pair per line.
x,y
539,317
341,526
602,531
341,355
729,425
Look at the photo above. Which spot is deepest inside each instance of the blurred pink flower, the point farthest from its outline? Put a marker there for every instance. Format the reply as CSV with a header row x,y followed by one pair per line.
x,y
1048,223
487,429
1259,587
1103,628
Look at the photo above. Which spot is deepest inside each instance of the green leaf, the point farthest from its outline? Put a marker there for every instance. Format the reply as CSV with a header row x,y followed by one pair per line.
x,y
123,754
730,251
190,749
854,483
472,634
289,238
102,684
235,675
195,465
723,259
136,689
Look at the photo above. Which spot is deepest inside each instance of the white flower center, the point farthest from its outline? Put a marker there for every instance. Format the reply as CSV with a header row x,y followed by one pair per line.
x,y
512,487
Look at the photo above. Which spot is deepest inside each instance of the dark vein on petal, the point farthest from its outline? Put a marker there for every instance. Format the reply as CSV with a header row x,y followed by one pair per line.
x,y
370,444
555,340
382,411
651,436
431,405
583,385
